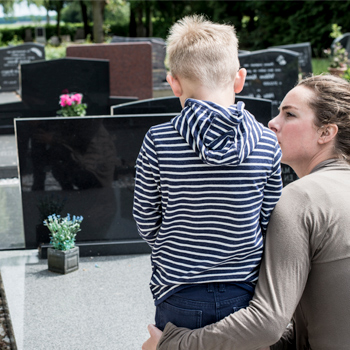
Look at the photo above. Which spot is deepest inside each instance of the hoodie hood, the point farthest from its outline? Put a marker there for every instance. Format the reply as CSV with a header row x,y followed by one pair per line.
x,y
219,135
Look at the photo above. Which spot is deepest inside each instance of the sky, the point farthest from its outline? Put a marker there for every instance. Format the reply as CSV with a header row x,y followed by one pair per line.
x,y
22,9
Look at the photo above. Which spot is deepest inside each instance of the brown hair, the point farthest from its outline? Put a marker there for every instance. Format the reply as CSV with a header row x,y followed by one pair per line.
x,y
331,105
203,51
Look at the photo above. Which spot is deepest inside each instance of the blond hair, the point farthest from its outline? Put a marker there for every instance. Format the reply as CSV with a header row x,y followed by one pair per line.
x,y
331,105
203,51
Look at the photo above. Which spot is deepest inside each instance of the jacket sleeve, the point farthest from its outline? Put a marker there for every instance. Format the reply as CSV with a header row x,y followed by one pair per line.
x,y
283,275
272,190
147,196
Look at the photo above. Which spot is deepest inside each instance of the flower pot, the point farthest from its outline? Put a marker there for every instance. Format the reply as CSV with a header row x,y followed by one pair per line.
x,y
63,261
339,72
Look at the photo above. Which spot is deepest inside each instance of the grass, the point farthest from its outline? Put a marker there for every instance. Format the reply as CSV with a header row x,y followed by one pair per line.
x,y
320,65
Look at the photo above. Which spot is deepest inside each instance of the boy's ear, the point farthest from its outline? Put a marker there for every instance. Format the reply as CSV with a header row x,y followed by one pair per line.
x,y
175,85
240,80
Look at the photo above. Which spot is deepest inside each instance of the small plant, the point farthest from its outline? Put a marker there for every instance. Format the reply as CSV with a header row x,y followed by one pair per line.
x,y
63,230
339,57
72,105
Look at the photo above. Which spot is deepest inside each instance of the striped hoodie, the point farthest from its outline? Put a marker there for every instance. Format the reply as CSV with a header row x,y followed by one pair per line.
x,y
206,183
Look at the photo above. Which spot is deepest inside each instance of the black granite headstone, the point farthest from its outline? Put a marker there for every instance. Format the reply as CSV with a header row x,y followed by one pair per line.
x,y
83,166
257,106
270,74
42,83
305,55
11,58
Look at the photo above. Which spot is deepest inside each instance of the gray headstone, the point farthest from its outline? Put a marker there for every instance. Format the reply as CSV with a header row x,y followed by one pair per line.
x,y
40,35
28,35
270,74
11,58
344,40
79,34
305,55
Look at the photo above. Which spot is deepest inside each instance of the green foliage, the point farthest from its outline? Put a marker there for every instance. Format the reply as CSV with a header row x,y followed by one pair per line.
x,y
63,230
72,105
52,52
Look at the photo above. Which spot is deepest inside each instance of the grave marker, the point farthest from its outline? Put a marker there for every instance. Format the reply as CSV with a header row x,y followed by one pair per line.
x,y
270,74
11,58
130,66
305,55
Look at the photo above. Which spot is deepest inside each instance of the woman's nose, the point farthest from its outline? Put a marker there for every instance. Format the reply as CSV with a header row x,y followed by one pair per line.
x,y
273,125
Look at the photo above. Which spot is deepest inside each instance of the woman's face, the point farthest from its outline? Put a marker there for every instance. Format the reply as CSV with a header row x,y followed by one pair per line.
x,y
295,129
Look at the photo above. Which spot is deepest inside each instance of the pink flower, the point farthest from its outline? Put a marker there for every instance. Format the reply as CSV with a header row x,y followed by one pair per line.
x,y
64,100
77,98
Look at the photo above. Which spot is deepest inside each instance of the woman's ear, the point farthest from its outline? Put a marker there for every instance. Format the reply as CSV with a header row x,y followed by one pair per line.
x,y
327,133
175,85
240,80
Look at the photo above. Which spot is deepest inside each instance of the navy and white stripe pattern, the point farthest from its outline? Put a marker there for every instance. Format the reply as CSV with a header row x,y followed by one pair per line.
x,y
205,186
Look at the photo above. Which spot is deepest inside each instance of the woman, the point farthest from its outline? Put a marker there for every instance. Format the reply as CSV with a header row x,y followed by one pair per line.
x,y
306,267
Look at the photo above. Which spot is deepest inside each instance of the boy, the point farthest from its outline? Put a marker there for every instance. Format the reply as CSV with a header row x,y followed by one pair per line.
x,y
206,183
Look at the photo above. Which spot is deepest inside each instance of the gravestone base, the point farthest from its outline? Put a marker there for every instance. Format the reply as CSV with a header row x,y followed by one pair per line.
x,y
87,249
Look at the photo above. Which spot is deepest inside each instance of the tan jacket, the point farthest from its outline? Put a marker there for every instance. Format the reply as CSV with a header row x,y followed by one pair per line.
x,y
305,271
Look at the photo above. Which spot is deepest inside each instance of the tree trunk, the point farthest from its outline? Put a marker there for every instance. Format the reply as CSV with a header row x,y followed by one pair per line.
x,y
98,20
84,16
58,10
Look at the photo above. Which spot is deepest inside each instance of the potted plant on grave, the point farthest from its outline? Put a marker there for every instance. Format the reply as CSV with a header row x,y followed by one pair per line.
x,y
339,60
48,205
71,105
63,256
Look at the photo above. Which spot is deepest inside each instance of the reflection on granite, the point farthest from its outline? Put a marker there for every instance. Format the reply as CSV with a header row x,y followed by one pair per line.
x,y
88,165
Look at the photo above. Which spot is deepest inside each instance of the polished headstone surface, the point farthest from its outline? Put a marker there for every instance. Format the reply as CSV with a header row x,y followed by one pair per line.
x,y
87,164
130,66
43,82
260,108
13,56
271,74
305,55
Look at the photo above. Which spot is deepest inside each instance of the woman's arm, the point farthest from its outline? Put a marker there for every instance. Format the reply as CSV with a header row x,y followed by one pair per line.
x,y
283,275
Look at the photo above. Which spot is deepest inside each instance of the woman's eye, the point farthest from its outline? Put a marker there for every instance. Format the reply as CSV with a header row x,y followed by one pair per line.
x,y
289,114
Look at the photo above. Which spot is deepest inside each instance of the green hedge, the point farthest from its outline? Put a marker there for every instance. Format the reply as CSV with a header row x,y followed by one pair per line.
x,y
8,34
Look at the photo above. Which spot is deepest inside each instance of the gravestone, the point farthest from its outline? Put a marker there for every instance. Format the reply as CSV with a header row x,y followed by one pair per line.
x,y
28,35
11,58
130,66
40,35
270,74
79,35
305,55
158,56
86,165
344,41
43,82
260,108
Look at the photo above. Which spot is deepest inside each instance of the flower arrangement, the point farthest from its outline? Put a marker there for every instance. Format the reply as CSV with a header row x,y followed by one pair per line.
x,y
63,230
339,58
72,105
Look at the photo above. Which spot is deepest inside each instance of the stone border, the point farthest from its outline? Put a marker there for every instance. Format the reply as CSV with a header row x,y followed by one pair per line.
x,y
7,337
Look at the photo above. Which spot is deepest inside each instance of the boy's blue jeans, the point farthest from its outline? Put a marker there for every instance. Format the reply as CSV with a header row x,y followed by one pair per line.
x,y
203,304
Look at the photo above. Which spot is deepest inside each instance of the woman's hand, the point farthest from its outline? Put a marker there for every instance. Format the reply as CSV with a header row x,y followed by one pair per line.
x,y
155,334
